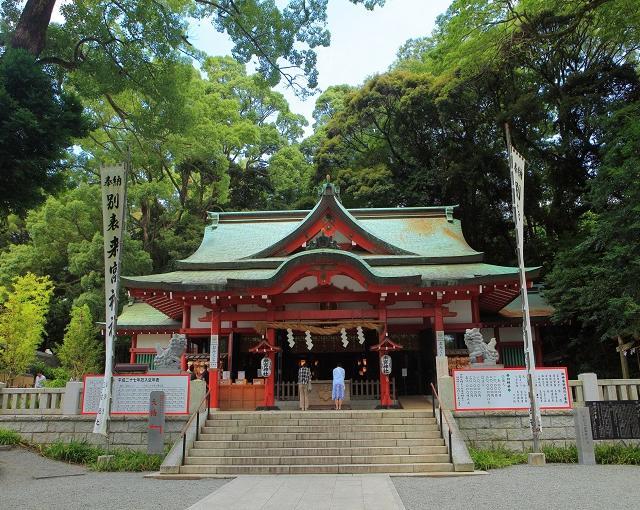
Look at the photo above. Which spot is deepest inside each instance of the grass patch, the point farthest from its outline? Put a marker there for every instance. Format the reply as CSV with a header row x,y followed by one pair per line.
x,y
500,457
561,454
617,454
130,460
76,452
9,437
81,452
495,458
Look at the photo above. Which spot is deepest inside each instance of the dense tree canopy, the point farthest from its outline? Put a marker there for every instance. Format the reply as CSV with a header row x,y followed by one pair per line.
x,y
122,80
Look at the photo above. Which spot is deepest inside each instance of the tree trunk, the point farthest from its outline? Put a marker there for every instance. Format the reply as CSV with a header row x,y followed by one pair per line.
x,y
31,31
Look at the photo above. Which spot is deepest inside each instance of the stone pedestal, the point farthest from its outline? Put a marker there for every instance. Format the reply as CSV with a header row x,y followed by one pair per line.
x,y
72,397
442,367
537,459
445,391
589,387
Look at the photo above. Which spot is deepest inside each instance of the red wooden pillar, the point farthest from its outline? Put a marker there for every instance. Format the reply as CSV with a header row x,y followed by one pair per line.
x,y
537,345
385,386
269,387
186,324
214,382
134,345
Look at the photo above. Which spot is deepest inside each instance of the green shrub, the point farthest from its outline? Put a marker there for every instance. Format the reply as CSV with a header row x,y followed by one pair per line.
x,y
60,378
78,452
9,437
495,458
130,460
617,454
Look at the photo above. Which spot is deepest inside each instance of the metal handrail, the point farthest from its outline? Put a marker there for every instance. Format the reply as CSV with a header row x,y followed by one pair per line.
x,y
434,397
183,433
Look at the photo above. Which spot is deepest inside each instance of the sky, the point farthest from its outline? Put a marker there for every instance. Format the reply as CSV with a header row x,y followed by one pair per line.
x,y
363,42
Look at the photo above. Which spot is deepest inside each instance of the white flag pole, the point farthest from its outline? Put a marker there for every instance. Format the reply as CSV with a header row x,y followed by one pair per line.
x,y
516,170
113,183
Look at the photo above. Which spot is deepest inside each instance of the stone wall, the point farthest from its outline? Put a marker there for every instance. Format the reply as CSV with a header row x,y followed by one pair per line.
x,y
510,429
125,431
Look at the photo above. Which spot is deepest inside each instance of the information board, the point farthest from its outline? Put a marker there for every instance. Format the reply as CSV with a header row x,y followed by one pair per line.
x,y
615,419
507,389
130,393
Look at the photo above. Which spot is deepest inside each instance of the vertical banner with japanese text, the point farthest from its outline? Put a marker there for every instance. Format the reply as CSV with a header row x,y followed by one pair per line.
x,y
516,167
113,181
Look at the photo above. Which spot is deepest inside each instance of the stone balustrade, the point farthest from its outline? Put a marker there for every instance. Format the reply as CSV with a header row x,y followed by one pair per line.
x,y
40,401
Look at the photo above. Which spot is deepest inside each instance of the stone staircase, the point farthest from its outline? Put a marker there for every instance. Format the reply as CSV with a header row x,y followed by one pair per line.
x,y
297,442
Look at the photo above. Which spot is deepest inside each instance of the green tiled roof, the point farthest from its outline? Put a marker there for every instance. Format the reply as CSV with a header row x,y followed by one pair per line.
x,y
538,306
410,247
140,315
430,275
412,231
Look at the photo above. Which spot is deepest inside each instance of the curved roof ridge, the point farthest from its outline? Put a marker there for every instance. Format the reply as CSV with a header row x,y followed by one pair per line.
x,y
328,201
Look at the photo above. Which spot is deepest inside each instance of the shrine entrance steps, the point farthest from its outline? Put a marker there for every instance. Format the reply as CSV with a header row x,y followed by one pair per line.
x,y
312,442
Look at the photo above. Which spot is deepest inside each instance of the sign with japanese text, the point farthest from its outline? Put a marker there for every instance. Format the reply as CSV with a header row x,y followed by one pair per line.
x,y
440,344
494,389
615,419
516,169
113,181
213,351
156,422
385,364
131,393
265,366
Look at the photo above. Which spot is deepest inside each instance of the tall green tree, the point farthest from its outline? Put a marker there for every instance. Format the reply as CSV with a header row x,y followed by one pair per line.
x,y
22,323
594,280
38,121
81,351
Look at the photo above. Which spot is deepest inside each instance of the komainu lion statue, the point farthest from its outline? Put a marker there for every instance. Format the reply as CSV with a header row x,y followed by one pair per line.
x,y
169,358
479,348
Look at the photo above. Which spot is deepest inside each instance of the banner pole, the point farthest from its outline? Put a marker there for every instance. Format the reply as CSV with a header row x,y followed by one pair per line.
x,y
113,184
516,170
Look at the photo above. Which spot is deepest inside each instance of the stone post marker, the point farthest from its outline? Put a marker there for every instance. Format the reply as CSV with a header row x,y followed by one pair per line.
x,y
584,436
155,433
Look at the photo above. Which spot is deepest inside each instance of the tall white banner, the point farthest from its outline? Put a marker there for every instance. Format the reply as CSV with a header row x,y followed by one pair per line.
x,y
113,181
516,168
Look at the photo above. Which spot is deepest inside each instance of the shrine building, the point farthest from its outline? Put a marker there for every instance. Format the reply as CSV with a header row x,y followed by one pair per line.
x,y
325,286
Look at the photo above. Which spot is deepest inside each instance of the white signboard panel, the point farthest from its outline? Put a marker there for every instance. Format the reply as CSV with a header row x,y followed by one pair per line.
x,y
440,345
213,351
497,389
130,393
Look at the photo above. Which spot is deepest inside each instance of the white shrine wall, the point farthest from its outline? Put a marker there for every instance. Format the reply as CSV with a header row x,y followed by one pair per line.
x,y
511,335
198,311
345,282
463,310
149,340
251,307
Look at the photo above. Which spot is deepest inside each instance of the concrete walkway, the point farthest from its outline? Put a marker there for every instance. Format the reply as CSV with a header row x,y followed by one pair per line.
x,y
305,492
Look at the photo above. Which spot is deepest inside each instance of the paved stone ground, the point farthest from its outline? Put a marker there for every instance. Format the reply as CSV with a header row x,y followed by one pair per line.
x,y
555,486
89,490
305,492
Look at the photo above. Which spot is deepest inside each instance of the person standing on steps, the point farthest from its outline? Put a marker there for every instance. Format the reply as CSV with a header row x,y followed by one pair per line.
x,y
304,384
338,386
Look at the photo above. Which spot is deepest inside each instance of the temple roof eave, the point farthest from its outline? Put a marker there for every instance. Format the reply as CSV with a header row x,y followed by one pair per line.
x,y
421,276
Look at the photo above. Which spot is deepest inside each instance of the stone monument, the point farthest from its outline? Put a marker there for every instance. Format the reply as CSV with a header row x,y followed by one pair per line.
x,y
479,349
168,359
